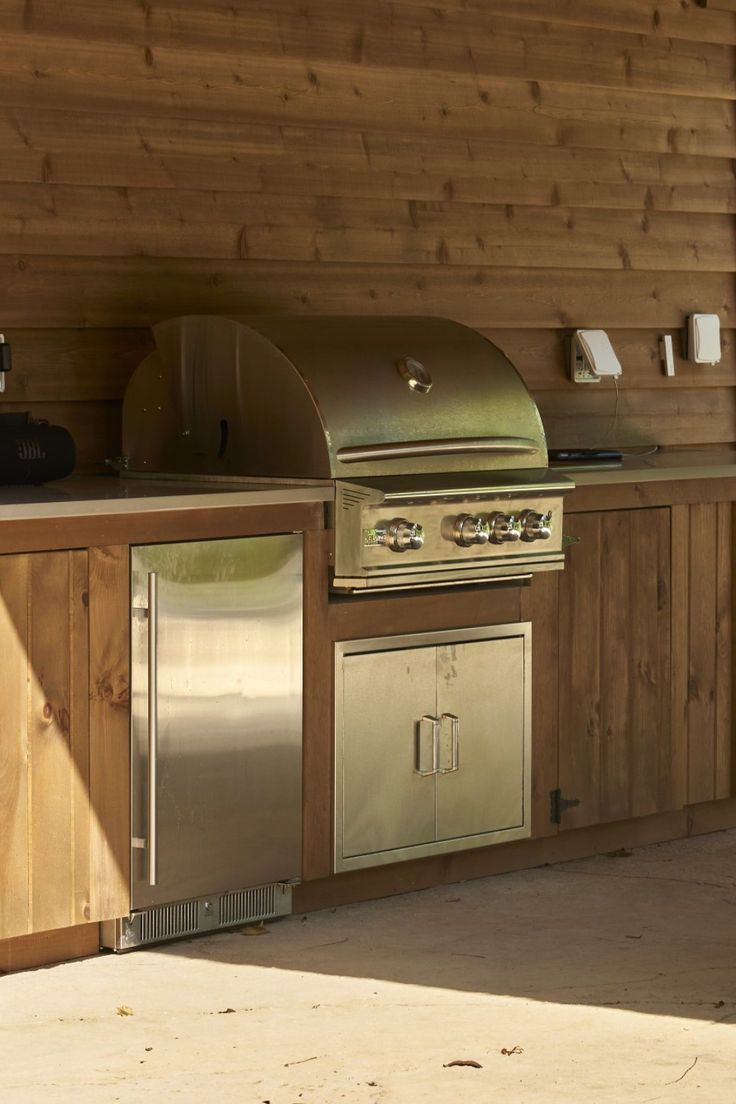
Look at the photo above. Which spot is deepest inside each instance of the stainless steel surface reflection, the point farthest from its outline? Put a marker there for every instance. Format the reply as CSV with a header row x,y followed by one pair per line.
x,y
223,802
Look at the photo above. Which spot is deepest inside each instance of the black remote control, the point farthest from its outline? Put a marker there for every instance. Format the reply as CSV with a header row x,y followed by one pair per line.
x,y
585,455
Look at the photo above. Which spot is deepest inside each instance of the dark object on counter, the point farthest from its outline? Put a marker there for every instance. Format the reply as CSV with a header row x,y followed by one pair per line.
x,y
585,456
34,451
5,361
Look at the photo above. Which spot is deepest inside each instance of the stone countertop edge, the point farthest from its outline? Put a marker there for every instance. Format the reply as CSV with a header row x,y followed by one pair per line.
x,y
659,467
83,498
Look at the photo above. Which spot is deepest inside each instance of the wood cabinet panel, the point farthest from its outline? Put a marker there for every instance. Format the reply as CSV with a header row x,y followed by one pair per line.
x,y
618,753
704,685
45,874
64,778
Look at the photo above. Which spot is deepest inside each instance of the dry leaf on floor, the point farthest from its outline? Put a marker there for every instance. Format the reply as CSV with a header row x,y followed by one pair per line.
x,y
463,1062
254,929
123,1010
513,1050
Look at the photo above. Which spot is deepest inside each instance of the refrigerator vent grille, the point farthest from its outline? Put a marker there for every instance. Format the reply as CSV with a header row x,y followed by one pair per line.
x,y
168,921
248,904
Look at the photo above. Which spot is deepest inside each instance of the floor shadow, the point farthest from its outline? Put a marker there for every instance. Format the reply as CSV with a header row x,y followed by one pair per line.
x,y
654,932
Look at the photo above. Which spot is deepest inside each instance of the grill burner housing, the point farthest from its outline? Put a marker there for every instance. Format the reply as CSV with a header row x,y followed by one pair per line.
x,y
435,445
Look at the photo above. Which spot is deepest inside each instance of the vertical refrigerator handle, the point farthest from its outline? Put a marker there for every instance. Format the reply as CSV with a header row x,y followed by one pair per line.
x,y
152,725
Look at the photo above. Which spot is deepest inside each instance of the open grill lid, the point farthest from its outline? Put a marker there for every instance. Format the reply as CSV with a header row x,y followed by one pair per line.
x,y
327,398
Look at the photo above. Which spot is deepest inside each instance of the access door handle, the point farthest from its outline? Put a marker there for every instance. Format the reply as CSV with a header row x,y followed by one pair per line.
x,y
427,745
152,728
449,725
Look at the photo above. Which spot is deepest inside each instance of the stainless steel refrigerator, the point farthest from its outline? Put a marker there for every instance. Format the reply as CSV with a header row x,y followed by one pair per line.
x,y
216,735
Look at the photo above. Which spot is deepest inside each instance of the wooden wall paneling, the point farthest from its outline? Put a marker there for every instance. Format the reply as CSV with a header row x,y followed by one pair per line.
x,y
541,357
109,688
540,605
702,652
638,417
668,18
396,36
90,366
144,153
281,227
724,736
282,89
134,292
580,672
318,731
15,872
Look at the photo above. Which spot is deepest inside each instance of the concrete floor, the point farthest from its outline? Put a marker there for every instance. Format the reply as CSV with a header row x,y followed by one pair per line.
x,y
611,979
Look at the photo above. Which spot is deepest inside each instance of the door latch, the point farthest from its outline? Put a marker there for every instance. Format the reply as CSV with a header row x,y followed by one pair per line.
x,y
560,805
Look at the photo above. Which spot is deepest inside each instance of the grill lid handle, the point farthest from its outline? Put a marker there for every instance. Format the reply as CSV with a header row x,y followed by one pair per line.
x,y
450,446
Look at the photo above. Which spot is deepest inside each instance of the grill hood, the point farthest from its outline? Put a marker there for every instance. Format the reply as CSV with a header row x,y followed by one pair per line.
x,y
327,398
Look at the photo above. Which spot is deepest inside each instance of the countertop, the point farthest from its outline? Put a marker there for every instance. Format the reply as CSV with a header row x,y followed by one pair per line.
x,y
669,466
92,496
80,496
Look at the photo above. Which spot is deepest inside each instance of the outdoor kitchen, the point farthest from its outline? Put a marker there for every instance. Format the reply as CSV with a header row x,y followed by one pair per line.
x,y
367,469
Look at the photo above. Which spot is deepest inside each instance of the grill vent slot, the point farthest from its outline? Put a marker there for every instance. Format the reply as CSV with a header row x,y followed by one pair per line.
x,y
248,904
168,921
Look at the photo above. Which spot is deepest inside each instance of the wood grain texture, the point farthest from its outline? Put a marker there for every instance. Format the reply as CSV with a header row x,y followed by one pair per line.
x,y
44,743
540,605
131,292
527,168
580,674
44,948
702,652
109,716
318,738
15,788
619,753
724,732
381,35
36,534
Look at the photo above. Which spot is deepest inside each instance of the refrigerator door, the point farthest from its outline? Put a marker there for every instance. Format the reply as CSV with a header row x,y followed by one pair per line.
x,y
216,689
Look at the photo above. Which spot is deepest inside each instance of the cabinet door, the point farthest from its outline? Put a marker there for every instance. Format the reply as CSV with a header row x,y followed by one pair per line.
x,y
44,743
619,754
386,804
482,685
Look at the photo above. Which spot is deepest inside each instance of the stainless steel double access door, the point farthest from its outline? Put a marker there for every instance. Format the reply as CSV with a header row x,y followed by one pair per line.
x,y
432,743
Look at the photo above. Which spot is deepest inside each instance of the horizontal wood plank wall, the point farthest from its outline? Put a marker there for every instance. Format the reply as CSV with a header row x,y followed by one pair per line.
x,y
523,168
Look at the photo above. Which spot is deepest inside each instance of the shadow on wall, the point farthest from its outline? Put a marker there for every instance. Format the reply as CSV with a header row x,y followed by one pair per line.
x,y
653,932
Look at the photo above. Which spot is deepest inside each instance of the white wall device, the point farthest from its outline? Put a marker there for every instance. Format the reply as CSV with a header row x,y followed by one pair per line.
x,y
666,354
703,338
592,357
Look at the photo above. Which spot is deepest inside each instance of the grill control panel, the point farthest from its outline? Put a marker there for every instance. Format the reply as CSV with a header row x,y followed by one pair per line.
x,y
423,541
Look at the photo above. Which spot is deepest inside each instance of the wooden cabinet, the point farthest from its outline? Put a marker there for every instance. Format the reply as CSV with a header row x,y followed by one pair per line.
x,y
619,754
63,739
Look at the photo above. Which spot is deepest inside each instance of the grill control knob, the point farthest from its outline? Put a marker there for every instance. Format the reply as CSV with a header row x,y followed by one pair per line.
x,y
402,534
536,526
504,527
468,529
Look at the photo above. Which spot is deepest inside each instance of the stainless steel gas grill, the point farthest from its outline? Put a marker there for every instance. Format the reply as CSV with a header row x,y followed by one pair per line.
x,y
439,463
435,446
